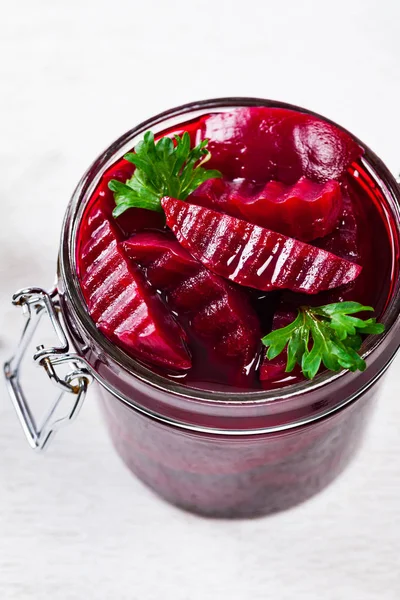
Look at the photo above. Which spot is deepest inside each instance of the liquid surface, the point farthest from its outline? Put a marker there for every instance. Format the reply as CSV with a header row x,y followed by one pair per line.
x,y
361,236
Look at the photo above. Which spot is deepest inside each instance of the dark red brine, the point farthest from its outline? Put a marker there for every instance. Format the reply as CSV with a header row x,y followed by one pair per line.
x,y
291,222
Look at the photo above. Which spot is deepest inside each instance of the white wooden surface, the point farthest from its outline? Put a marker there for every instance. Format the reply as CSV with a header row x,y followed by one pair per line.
x,y
75,525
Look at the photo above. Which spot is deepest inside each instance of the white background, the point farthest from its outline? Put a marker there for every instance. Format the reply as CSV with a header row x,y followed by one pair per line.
x,y
74,75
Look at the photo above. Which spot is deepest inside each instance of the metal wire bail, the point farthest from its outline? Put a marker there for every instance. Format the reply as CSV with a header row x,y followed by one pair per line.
x,y
35,303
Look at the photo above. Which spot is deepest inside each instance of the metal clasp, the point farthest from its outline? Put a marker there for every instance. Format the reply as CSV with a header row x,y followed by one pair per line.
x,y
35,303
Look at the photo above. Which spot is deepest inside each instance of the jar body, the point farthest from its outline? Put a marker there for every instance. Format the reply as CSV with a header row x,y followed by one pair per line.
x,y
236,476
222,453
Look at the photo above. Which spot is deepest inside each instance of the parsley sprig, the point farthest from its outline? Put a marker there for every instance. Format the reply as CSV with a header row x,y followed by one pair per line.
x,y
326,335
162,169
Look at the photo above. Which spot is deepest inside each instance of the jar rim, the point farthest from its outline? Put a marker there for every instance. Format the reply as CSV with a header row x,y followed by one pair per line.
x,y
72,290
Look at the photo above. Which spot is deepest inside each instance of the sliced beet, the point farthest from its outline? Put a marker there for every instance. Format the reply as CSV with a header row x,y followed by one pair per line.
x,y
344,240
306,210
218,313
263,143
122,303
253,256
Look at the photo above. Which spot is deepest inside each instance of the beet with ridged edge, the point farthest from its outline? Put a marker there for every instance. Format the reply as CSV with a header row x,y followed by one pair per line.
x,y
121,302
305,210
253,256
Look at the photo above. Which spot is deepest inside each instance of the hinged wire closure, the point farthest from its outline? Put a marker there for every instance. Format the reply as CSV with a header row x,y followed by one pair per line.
x,y
36,302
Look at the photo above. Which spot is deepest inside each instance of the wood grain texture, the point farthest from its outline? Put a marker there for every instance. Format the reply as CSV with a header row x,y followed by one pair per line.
x,y
74,524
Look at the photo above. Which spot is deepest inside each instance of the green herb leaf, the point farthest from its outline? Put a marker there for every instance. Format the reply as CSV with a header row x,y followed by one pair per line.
x,y
162,169
325,335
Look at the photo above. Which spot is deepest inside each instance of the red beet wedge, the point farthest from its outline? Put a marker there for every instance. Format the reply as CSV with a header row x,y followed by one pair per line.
x,y
122,303
263,143
219,314
306,210
344,240
253,256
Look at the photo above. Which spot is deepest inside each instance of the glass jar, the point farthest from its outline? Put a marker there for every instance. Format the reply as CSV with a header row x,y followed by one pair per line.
x,y
218,453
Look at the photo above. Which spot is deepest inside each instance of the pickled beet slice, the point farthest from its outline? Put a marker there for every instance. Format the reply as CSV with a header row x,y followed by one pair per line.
x,y
219,314
344,239
122,303
253,256
263,143
306,210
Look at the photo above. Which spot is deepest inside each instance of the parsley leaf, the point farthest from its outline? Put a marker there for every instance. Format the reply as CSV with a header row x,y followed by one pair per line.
x,y
162,169
324,335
